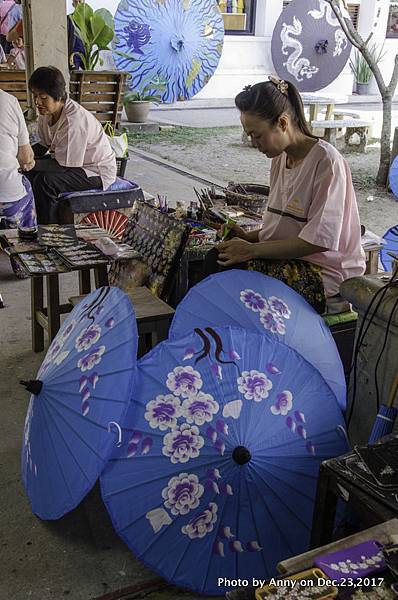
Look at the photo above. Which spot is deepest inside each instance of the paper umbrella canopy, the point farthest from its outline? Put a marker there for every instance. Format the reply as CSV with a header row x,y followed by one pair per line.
x,y
219,462
255,301
309,47
170,48
78,401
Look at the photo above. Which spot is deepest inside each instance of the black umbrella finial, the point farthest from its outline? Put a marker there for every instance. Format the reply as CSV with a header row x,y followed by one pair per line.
x,y
321,47
241,455
33,386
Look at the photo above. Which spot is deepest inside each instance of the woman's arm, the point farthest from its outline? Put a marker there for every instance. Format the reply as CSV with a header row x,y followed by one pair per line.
x,y
237,250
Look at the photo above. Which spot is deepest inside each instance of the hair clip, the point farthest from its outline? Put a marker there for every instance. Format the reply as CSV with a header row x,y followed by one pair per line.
x,y
247,88
280,84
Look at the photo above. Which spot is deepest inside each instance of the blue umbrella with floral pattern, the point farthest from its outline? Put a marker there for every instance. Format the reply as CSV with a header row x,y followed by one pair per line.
x,y
216,475
78,402
255,301
170,48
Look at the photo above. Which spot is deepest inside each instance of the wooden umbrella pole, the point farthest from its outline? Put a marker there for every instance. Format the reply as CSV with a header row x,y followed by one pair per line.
x,y
393,392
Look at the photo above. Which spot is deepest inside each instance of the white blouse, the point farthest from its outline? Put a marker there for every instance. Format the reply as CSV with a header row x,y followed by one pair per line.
x,y
78,140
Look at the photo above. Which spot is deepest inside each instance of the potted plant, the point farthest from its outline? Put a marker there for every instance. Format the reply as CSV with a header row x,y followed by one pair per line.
x,y
138,103
96,29
362,71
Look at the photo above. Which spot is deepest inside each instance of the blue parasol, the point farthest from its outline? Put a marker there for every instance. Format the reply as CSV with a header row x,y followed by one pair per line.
x,y
309,47
216,477
252,300
172,46
393,176
78,401
391,247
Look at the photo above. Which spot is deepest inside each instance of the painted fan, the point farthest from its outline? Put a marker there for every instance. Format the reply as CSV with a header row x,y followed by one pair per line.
x,y
113,221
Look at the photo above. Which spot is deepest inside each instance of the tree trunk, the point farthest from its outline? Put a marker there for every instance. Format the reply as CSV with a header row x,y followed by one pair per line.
x,y
385,141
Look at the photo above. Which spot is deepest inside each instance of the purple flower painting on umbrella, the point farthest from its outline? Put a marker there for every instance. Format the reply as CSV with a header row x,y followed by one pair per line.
x,y
182,493
89,361
283,403
254,385
163,412
272,322
175,42
202,523
199,409
88,337
183,443
279,307
184,381
253,300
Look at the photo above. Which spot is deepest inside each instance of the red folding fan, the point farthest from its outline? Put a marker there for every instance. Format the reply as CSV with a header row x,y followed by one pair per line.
x,y
113,221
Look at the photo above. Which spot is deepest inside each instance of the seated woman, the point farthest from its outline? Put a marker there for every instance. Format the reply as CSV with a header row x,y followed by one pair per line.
x,y
78,154
17,205
310,237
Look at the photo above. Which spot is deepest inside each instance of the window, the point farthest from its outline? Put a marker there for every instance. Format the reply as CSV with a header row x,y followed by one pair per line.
x,y
392,23
239,16
353,10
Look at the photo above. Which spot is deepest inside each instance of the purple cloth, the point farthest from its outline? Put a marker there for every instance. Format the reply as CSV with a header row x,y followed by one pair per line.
x,y
21,213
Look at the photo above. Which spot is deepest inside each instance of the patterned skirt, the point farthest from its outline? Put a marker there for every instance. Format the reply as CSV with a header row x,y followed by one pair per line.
x,y
304,277
21,213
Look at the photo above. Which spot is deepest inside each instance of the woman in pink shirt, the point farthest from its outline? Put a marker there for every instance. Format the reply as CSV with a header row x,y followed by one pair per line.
x,y
77,153
311,236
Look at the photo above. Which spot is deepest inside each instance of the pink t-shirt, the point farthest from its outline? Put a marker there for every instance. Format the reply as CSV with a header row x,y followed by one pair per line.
x,y
78,140
316,202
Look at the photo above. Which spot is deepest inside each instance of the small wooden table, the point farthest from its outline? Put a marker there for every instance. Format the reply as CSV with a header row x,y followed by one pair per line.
x,y
153,317
48,318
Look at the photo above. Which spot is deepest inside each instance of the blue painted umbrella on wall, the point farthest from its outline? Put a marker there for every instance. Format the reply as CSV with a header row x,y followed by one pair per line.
x,y
174,45
309,47
78,401
255,301
217,473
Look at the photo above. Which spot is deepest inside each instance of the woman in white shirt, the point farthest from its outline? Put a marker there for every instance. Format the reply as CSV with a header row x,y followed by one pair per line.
x,y
17,206
78,154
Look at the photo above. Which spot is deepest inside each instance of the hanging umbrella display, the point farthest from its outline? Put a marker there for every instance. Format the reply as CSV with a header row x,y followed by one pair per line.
x,y
386,416
216,476
309,46
174,45
255,301
391,247
78,401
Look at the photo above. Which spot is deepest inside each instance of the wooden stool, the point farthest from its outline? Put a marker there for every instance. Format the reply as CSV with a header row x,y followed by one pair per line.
x,y
153,317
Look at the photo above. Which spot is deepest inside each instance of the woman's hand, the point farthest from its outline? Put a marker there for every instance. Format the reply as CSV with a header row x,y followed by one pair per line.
x,y
26,157
232,231
234,252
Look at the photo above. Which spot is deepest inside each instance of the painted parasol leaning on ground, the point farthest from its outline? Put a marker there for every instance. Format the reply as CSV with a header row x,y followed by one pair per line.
x,y
217,472
78,402
309,46
175,45
255,301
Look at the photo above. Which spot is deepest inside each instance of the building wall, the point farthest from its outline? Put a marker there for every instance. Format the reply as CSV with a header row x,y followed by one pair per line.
x,y
247,59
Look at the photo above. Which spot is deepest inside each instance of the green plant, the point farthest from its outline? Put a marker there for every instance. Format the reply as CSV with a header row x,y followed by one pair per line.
x,y
96,30
148,93
362,71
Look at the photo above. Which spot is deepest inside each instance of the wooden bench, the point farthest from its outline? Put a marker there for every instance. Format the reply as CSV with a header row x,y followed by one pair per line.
x,y
355,128
14,82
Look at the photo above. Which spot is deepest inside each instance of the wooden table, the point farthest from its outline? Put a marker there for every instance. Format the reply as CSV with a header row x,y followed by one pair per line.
x,y
317,102
48,317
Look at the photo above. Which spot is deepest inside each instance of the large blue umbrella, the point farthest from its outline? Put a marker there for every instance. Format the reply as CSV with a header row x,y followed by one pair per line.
x,y
173,44
78,402
393,177
217,473
252,300
391,247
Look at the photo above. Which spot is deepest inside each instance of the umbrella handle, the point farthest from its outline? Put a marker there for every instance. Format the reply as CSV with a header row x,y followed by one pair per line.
x,y
393,392
119,430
